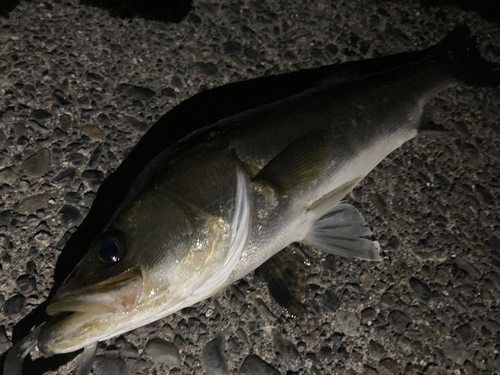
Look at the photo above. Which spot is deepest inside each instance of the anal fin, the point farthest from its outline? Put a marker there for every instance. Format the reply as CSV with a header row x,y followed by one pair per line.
x,y
340,232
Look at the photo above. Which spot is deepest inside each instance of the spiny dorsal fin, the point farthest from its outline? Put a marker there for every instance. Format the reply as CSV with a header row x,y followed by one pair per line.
x,y
299,163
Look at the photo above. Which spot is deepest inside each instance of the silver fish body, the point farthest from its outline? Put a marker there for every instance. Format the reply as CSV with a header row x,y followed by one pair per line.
x,y
219,203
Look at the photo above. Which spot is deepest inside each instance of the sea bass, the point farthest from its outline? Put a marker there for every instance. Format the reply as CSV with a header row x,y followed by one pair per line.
x,y
223,200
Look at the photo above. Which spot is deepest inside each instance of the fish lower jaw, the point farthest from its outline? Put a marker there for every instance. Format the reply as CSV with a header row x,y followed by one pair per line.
x,y
66,332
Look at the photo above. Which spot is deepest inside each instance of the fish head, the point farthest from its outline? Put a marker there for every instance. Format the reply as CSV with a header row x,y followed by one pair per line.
x,y
156,257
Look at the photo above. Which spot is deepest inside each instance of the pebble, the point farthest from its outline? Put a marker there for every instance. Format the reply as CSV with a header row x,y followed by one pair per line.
x,y
464,333
103,119
469,268
168,92
163,351
454,352
5,218
19,128
368,315
232,48
325,355
73,197
208,69
140,366
40,115
367,279
330,299
26,284
38,164
420,289
110,366
128,350
93,177
329,264
399,320
94,158
492,326
378,203
93,132
65,177
331,49
61,97
95,77
213,360
289,352
388,366
70,216
65,121
264,310
136,124
376,350
242,336
76,159
303,43
136,92
253,365
88,198
14,304
4,341
43,237
347,323
251,53
31,204
59,134
470,369
176,81
2,135
7,176
393,243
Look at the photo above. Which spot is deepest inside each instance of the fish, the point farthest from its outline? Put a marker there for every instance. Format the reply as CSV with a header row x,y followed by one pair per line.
x,y
221,201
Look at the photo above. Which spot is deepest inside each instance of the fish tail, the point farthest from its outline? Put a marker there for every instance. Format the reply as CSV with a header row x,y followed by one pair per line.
x,y
469,67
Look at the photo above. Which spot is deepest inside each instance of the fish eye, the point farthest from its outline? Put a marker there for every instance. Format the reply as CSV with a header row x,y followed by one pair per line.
x,y
109,251
109,246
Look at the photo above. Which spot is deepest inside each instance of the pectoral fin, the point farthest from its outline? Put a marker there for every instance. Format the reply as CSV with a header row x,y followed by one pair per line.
x,y
299,163
340,232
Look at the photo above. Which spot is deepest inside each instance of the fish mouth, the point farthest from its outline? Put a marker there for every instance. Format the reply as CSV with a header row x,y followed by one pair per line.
x,y
75,311
120,293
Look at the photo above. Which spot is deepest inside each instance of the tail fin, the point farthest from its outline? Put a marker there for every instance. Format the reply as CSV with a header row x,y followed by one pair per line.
x,y
470,67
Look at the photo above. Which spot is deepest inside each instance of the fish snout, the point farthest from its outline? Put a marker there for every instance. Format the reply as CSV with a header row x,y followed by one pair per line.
x,y
120,293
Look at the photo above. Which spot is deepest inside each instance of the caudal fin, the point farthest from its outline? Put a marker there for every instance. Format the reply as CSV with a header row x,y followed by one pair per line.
x,y
469,66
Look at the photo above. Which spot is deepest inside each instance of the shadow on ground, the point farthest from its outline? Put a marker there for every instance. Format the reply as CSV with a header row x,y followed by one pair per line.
x,y
487,9
164,10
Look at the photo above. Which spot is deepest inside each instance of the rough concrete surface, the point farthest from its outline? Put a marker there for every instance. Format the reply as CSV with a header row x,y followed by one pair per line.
x,y
73,80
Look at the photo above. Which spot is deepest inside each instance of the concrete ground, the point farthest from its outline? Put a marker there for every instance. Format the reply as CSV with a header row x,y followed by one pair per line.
x,y
432,305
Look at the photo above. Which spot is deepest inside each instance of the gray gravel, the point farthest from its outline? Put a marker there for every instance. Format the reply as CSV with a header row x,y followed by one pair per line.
x,y
163,351
213,359
80,88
